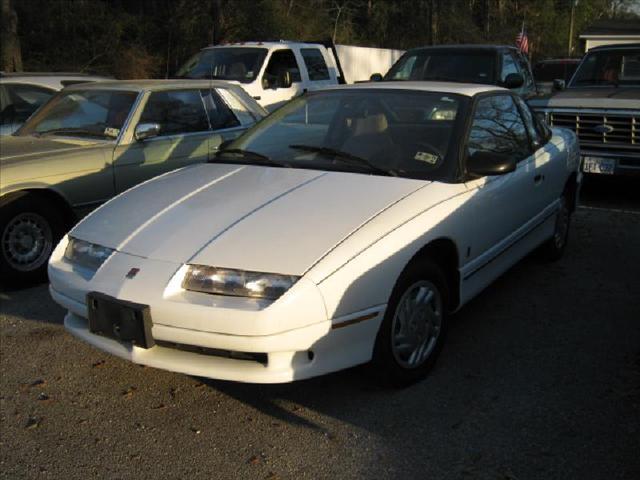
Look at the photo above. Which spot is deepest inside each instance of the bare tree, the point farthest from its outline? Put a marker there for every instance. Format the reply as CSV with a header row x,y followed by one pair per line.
x,y
11,55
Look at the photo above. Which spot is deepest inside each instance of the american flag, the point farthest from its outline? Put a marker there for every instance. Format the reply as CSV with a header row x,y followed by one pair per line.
x,y
522,41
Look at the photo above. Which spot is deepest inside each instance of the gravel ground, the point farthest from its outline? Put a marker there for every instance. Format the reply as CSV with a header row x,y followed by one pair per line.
x,y
540,378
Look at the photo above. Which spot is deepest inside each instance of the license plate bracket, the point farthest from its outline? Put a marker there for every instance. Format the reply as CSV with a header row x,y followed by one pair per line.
x,y
120,320
606,166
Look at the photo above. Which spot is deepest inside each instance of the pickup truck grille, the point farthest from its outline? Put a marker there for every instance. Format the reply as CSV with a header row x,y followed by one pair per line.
x,y
601,132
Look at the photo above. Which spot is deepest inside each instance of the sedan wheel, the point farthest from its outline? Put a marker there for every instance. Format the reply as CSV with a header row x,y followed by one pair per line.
x,y
27,241
416,324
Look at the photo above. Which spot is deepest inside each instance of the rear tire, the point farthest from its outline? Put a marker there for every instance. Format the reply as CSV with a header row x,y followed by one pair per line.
x,y
553,249
29,230
414,326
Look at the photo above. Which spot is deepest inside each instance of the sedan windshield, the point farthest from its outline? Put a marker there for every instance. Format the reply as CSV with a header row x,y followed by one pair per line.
x,y
470,66
89,113
609,67
232,63
375,131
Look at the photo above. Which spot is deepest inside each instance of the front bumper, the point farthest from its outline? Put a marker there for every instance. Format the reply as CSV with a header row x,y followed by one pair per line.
x,y
293,335
625,164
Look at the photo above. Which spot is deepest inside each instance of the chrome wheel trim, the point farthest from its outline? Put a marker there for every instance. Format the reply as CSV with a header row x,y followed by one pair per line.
x,y
562,225
27,242
416,324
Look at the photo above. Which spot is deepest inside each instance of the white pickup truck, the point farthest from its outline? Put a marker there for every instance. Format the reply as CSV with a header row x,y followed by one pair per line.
x,y
274,72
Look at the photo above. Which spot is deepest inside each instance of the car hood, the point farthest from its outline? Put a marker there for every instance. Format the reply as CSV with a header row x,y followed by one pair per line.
x,y
268,219
603,97
17,148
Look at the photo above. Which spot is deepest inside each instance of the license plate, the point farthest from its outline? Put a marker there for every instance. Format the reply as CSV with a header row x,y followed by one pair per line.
x,y
120,320
605,166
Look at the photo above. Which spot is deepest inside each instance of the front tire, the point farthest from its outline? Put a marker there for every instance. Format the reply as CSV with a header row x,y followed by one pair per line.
x,y
29,230
412,332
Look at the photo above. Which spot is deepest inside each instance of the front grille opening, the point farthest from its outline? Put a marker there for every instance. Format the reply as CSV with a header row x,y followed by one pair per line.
x,y
261,358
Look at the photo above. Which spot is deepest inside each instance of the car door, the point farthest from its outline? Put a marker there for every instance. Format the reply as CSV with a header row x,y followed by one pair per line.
x,y
503,205
182,139
275,91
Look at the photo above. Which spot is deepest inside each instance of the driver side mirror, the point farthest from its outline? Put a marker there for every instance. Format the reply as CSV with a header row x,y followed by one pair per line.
x,y
558,85
483,163
514,80
146,130
376,77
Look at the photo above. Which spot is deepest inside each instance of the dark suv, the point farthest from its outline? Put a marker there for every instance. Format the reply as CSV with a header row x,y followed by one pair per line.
x,y
601,104
486,64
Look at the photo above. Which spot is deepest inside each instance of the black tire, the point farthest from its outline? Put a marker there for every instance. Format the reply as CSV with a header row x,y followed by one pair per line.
x,y
30,229
385,366
553,249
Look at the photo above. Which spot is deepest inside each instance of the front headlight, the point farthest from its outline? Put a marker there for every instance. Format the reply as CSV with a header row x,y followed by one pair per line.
x,y
238,283
85,254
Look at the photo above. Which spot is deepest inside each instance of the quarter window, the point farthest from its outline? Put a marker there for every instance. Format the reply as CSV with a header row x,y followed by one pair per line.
x,y
498,127
315,63
176,112
220,115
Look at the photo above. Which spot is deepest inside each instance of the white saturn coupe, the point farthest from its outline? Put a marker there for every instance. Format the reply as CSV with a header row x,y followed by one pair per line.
x,y
342,229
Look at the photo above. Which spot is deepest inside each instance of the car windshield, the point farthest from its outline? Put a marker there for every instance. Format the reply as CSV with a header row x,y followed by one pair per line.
x,y
231,63
89,113
609,67
554,70
471,66
375,131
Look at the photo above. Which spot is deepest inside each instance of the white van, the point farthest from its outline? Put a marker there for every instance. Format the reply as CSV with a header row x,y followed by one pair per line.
x,y
274,72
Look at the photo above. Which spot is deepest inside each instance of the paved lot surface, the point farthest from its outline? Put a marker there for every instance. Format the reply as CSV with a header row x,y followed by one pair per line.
x,y
540,379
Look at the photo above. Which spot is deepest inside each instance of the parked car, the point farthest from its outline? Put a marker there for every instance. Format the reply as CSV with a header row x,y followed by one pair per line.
x,y
602,105
499,65
22,93
274,72
341,229
90,142
545,72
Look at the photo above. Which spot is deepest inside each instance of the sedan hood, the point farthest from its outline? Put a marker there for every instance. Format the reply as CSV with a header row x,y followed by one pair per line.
x,y
279,220
15,148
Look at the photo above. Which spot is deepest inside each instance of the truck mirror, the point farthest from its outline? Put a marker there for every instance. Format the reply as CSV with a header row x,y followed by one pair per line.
x,y
514,80
376,77
284,79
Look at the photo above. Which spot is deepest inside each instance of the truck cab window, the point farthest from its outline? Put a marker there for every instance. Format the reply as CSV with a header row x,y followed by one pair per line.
x,y
281,61
315,63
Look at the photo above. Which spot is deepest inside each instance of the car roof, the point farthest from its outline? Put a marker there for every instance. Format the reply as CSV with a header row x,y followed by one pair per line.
x,y
615,46
151,85
54,81
466,89
469,46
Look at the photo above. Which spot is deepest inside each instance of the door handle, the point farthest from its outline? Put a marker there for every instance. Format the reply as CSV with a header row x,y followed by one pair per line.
x,y
538,178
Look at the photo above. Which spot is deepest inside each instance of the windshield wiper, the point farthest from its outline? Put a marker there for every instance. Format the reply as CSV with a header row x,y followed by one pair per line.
x,y
248,155
74,131
344,157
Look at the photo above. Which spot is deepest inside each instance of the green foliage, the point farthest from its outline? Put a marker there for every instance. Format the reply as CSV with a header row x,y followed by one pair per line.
x,y
134,38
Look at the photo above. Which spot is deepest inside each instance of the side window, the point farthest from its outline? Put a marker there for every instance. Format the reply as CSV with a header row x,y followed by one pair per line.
x,y
498,127
177,112
316,66
508,65
524,69
281,61
537,136
220,115
23,100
